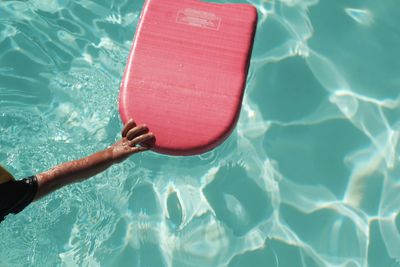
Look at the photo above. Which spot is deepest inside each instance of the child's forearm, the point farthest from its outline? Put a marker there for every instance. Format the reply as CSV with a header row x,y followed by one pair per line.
x,y
73,171
78,170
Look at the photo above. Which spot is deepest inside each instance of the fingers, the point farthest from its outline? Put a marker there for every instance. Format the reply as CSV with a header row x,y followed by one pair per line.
x,y
129,125
140,149
140,139
136,131
138,135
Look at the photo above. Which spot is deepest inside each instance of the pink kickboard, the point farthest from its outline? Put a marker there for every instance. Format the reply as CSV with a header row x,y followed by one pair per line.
x,y
186,72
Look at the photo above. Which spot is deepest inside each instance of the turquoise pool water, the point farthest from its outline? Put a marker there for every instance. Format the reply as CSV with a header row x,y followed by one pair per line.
x,y
309,177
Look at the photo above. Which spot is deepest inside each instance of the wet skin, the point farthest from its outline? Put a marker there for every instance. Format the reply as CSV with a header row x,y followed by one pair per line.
x,y
135,139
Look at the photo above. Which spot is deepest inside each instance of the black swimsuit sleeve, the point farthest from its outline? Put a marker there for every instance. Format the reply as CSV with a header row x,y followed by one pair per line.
x,y
16,195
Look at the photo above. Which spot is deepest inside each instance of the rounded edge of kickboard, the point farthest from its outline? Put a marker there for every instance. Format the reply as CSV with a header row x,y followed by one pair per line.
x,y
193,150
196,150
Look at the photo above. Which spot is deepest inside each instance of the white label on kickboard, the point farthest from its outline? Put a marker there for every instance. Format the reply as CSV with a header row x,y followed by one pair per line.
x,y
197,18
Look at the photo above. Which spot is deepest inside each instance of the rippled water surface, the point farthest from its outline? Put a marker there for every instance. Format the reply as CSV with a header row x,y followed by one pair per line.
x,y
309,177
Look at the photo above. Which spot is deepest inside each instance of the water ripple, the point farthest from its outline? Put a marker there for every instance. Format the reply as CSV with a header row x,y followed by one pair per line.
x,y
310,171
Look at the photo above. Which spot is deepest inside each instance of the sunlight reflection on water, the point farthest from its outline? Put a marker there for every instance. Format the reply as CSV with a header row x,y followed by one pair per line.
x,y
308,178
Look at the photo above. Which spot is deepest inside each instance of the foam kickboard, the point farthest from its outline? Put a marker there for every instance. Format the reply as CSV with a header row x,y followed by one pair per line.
x,y
186,72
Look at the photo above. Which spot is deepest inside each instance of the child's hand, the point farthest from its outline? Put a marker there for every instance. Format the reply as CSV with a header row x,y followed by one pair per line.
x,y
135,138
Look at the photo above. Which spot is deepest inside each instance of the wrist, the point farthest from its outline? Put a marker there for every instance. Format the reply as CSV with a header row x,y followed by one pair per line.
x,y
117,153
110,155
